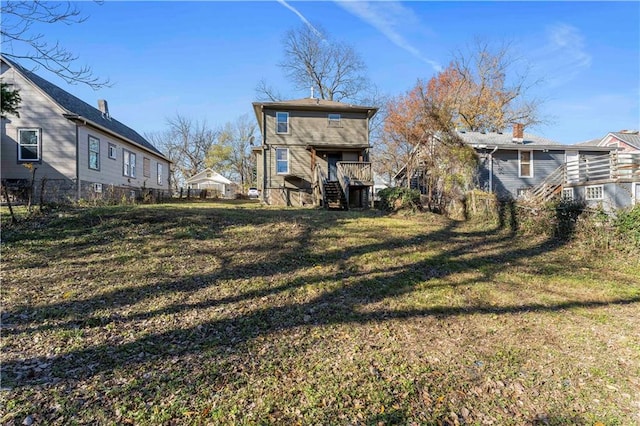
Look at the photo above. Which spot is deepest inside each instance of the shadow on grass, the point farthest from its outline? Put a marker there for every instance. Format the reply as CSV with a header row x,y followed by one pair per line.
x,y
486,251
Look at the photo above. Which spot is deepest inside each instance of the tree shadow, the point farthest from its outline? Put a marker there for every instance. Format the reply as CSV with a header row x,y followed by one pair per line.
x,y
354,296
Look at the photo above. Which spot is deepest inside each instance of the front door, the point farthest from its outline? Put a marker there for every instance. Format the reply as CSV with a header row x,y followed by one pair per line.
x,y
333,159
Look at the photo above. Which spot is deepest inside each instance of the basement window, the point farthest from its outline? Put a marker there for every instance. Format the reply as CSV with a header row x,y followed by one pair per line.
x,y
567,194
595,192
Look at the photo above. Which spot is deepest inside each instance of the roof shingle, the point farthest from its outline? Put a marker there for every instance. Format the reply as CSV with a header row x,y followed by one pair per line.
x,y
78,107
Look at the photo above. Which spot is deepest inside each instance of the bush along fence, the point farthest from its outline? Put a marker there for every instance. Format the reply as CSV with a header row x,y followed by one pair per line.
x,y
563,220
44,191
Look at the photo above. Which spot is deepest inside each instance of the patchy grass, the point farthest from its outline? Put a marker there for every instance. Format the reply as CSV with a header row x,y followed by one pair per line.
x,y
231,313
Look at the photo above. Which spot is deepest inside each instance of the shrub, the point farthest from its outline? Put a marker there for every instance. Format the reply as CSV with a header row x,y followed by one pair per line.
x,y
398,198
627,224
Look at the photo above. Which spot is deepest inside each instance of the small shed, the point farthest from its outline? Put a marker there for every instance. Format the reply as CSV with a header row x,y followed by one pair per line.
x,y
212,181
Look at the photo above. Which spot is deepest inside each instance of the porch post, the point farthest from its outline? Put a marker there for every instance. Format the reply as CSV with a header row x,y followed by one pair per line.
x,y
313,159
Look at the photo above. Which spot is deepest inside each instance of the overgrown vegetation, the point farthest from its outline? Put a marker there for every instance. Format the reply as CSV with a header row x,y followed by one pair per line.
x,y
399,198
221,313
561,220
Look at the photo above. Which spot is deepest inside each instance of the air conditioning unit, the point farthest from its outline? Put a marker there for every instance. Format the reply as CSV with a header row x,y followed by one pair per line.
x,y
97,188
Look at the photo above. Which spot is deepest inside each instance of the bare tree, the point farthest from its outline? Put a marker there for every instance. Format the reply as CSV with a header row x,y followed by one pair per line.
x,y
491,89
19,41
186,143
233,150
334,69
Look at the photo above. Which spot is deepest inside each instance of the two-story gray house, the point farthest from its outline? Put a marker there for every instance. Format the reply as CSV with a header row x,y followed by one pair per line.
x,y
78,151
314,152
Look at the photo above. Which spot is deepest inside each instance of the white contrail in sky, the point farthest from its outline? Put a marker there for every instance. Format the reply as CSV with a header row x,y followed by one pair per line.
x,y
388,17
563,56
302,18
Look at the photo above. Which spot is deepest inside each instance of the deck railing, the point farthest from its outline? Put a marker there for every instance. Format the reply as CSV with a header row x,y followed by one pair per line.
x,y
613,166
358,172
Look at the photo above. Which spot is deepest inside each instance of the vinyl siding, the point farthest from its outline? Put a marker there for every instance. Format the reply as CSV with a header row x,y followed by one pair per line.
x,y
58,135
111,171
506,179
312,128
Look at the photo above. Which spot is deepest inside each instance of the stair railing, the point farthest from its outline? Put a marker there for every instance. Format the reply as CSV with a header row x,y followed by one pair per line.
x,y
319,180
344,180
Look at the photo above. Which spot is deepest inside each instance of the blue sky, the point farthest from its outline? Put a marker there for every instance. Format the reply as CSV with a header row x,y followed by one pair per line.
x,y
204,59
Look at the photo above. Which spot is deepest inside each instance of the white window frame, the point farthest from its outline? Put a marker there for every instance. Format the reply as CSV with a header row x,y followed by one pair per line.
x,y
128,163
589,196
284,114
530,175
280,161
522,192
113,151
334,120
160,173
37,145
92,152
568,194
634,190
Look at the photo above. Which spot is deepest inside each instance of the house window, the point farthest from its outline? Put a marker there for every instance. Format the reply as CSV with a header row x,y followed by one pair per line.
x,y
334,120
94,153
128,163
595,192
282,161
525,160
112,151
523,192
29,145
282,122
146,167
160,177
567,194
636,193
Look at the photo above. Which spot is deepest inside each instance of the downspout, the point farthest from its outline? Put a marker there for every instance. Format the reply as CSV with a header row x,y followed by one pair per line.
x,y
264,155
491,168
78,192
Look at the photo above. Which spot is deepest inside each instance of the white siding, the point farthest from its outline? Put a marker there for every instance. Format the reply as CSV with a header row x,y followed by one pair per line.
x,y
112,170
58,142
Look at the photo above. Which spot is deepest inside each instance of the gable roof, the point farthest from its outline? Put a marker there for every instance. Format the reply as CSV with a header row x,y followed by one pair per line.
x,y
215,176
629,137
505,140
311,104
78,109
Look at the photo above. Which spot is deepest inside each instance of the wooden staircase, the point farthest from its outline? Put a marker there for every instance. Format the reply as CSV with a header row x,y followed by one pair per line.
x,y
334,197
551,186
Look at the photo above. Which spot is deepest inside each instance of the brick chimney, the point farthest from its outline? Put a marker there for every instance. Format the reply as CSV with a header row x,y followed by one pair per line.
x,y
518,132
103,107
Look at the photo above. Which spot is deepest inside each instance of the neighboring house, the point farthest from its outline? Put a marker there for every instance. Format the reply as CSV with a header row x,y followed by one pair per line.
x,y
624,140
523,165
314,152
80,152
513,164
611,179
210,180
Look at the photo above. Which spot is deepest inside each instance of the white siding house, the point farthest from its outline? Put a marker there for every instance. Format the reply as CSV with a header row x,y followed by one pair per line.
x,y
78,151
